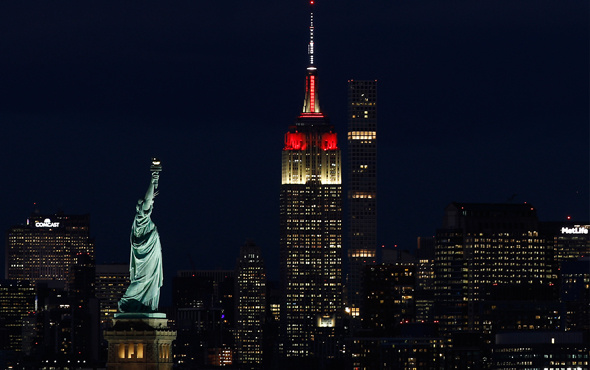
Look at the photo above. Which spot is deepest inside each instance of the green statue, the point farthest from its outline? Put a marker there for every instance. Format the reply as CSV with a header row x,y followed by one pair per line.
x,y
145,265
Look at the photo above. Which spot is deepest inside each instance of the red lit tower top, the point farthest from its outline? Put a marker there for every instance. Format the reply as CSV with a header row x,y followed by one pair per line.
x,y
312,134
311,104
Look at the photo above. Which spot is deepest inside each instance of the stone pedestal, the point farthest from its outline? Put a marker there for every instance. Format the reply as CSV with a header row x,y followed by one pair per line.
x,y
140,341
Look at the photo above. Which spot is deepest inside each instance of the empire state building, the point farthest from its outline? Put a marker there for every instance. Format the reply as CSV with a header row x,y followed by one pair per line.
x,y
311,228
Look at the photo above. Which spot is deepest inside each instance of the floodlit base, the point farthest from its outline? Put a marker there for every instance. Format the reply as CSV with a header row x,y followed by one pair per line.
x,y
140,341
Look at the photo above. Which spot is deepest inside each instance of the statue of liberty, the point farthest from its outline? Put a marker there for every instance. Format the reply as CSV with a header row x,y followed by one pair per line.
x,y
145,265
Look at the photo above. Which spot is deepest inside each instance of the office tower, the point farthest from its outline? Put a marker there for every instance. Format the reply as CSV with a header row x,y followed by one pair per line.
x,y
85,310
569,240
389,292
203,301
50,339
250,306
17,300
425,279
575,293
488,252
540,350
425,257
414,349
46,247
362,185
310,228
112,281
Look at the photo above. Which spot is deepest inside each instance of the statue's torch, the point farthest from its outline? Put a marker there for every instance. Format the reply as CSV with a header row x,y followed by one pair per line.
x,y
155,169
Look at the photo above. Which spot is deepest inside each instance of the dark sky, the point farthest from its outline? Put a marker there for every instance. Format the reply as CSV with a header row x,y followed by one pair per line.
x,y
478,101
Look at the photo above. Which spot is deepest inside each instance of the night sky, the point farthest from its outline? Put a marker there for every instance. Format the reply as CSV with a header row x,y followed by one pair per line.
x,y
479,101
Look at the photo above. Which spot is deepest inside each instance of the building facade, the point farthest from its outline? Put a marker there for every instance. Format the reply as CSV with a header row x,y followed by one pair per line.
x,y
46,247
310,229
203,304
250,306
569,240
362,185
488,252
112,281
17,300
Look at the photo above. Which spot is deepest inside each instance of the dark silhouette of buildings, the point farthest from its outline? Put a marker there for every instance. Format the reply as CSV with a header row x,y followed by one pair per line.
x,y
203,302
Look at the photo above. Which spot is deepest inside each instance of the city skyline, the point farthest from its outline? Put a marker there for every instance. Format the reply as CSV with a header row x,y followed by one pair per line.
x,y
477,103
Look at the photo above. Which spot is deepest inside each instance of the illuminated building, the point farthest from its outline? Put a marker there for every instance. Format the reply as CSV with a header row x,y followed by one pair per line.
x,y
250,305
425,269
570,240
423,351
485,252
425,279
46,247
64,330
310,229
540,350
17,300
112,281
362,182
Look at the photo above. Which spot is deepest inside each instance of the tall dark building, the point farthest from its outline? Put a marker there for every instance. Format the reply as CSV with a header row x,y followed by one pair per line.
x,y
362,185
17,300
389,291
250,301
203,302
310,228
488,252
84,310
46,247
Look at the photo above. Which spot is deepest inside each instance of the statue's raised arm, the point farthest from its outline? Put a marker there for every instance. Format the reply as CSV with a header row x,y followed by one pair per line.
x,y
145,263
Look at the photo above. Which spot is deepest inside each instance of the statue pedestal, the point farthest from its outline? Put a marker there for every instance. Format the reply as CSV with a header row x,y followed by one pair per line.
x,y
140,341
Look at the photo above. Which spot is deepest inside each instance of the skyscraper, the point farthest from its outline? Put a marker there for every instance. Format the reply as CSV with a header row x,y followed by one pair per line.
x,y
488,252
362,185
112,281
250,305
46,247
310,227
17,300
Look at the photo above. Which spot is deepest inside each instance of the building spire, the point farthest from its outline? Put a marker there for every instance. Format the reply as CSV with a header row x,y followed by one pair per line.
x,y
310,46
311,104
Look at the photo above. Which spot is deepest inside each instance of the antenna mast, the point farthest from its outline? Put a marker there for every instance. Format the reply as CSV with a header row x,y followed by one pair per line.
x,y
310,46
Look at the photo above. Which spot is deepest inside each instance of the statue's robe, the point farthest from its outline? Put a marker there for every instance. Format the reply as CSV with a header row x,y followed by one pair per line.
x,y
145,265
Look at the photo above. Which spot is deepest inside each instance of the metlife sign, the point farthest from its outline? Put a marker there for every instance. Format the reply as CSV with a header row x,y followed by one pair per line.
x,y
576,229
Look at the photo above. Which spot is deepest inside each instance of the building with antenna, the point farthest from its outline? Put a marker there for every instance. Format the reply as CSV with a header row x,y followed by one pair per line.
x,y
310,228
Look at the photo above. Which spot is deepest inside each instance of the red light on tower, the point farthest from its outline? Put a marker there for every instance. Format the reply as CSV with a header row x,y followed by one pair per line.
x,y
312,93
569,218
311,2
295,141
329,141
